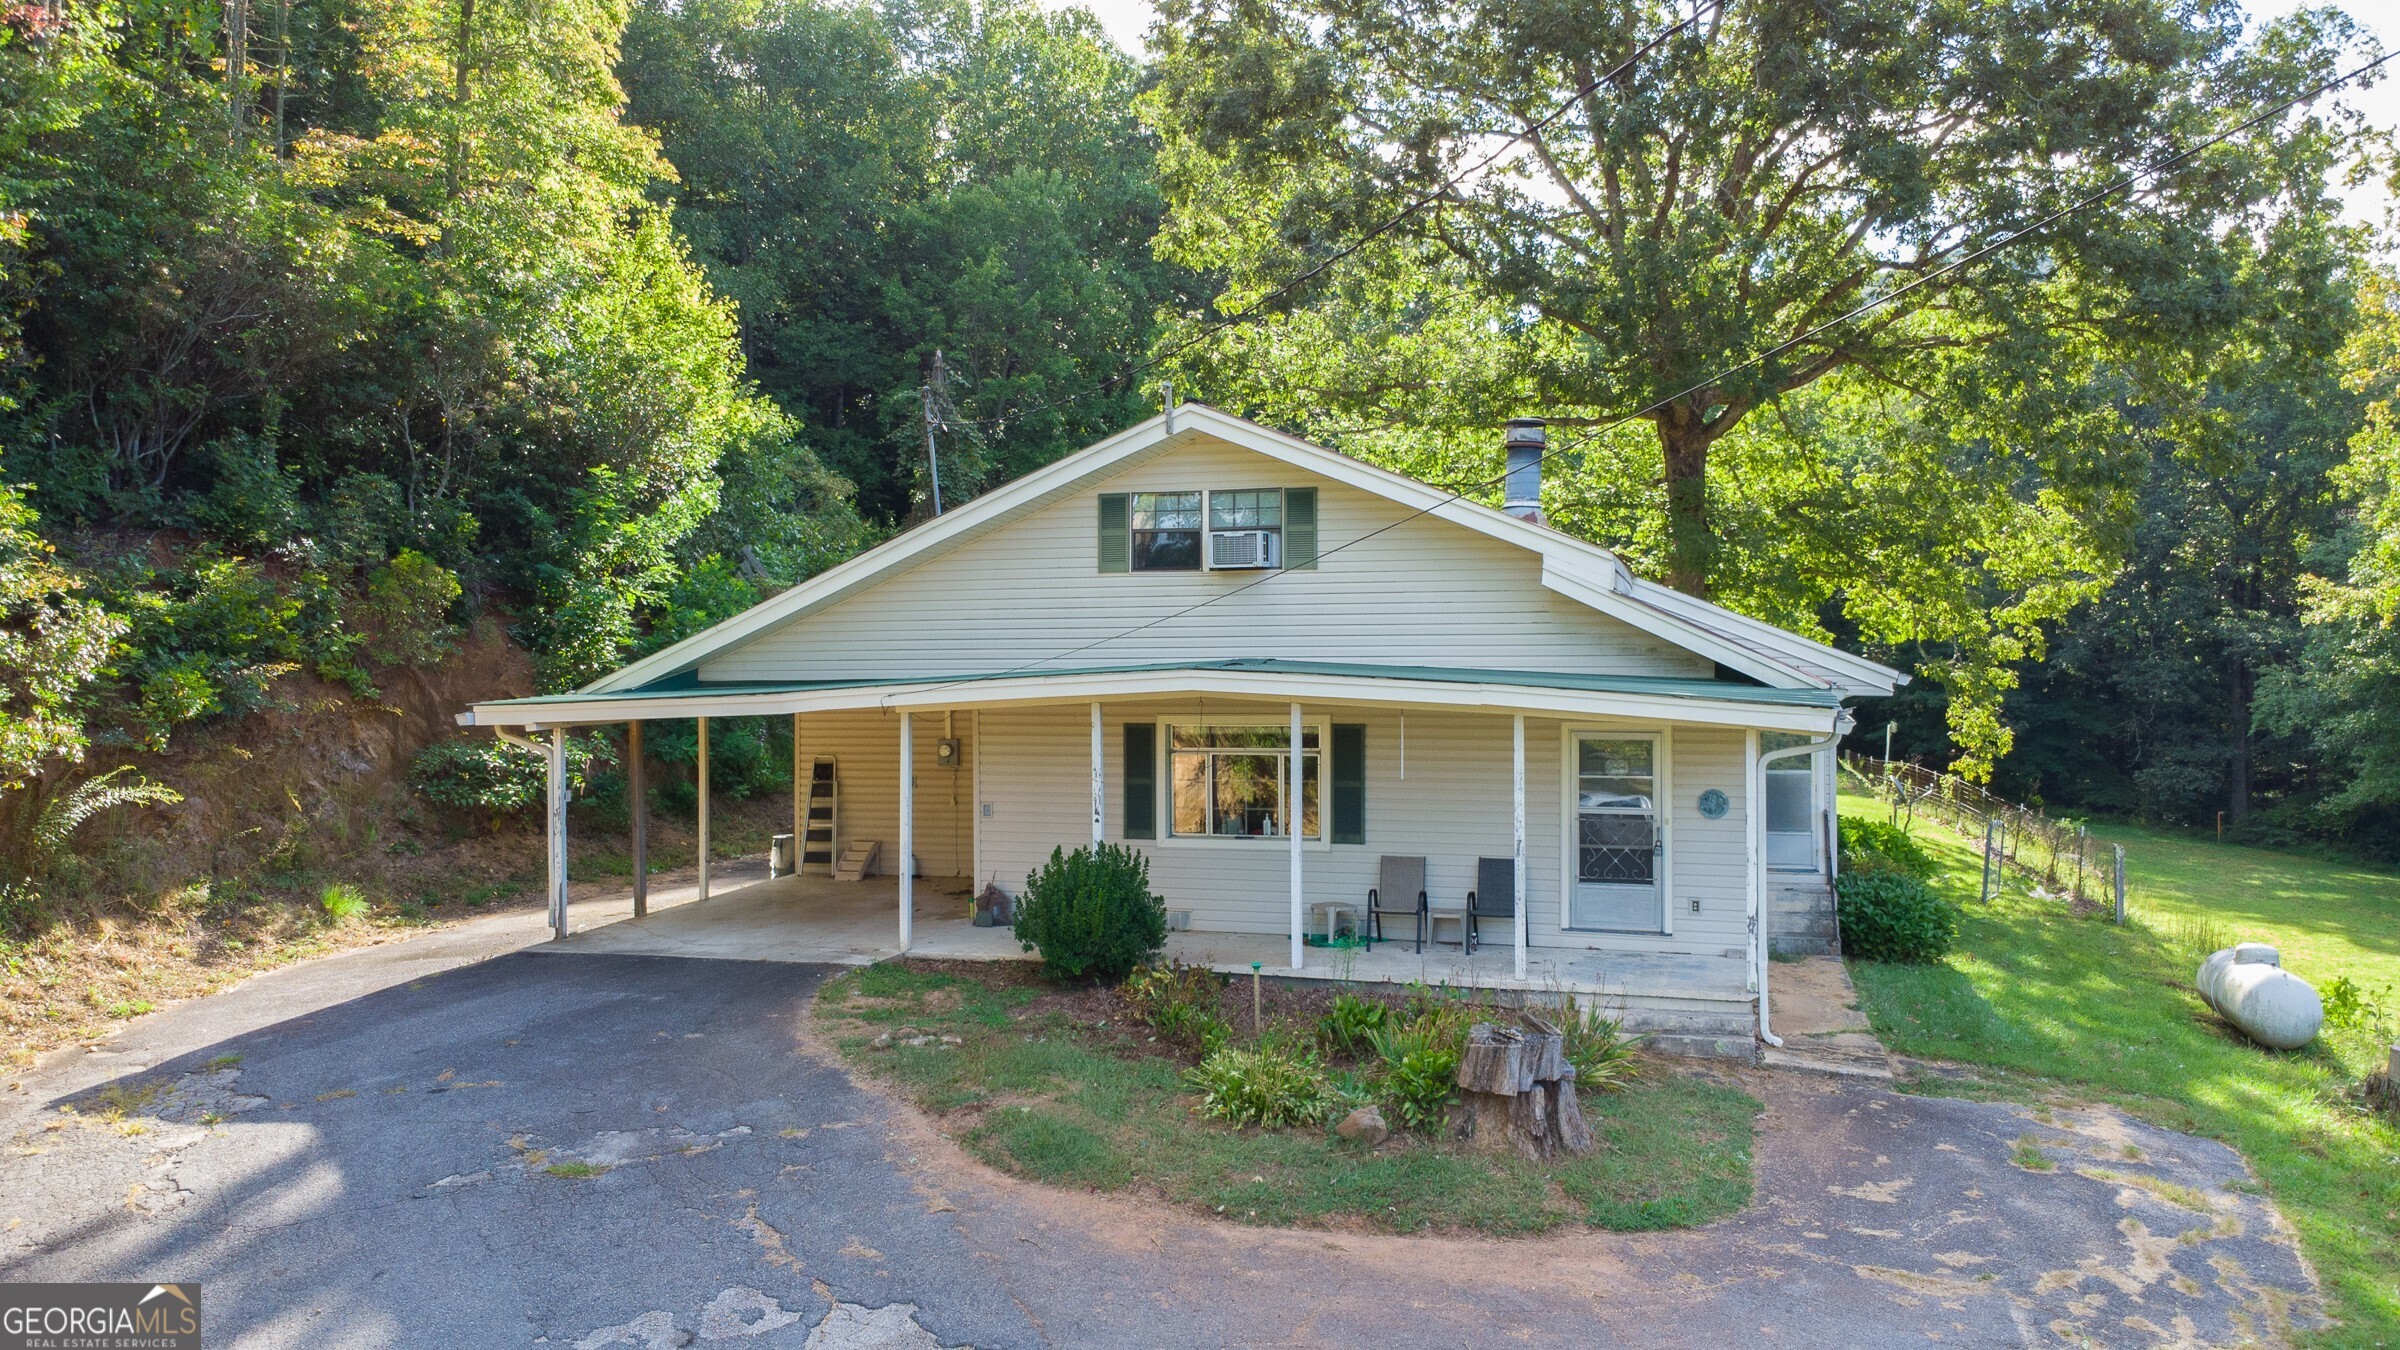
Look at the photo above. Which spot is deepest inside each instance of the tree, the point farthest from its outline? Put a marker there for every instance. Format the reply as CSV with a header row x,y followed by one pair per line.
x,y
1769,168
871,187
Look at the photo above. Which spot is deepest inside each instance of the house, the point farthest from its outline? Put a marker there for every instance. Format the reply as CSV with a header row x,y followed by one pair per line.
x,y
1149,641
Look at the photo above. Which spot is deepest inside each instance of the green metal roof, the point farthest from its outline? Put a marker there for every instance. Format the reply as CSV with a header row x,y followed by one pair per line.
x,y
1722,691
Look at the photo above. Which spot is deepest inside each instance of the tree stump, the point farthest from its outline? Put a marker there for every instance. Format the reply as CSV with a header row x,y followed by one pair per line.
x,y
1520,1091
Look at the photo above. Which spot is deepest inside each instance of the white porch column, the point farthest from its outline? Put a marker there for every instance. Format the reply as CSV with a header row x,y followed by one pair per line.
x,y
556,754
1295,826
1754,841
908,827
1519,779
704,808
1099,784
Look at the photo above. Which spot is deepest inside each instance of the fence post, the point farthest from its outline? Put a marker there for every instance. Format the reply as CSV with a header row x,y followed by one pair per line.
x,y
2120,883
1990,823
2082,837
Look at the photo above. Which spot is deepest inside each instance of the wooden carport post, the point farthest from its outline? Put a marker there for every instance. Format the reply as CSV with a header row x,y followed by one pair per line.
x,y
908,828
703,808
556,754
1519,778
637,802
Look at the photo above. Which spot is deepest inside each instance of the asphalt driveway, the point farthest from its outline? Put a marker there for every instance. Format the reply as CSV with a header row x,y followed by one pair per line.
x,y
598,1150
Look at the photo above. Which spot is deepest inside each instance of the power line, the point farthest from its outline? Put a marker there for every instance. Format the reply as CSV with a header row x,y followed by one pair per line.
x,y
2003,240
1213,327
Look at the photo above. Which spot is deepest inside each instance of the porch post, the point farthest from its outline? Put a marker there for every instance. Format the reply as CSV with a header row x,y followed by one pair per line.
x,y
704,808
908,826
1099,784
557,832
1754,843
637,803
799,798
1519,776
1295,825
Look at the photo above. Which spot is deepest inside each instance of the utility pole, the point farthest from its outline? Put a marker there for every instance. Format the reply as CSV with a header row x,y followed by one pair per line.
x,y
933,463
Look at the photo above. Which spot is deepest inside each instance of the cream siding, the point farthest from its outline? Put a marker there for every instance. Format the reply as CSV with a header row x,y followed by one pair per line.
x,y
866,751
1454,807
1422,592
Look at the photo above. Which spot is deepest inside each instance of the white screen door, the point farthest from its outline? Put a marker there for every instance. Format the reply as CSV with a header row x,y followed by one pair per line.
x,y
1617,846
1791,810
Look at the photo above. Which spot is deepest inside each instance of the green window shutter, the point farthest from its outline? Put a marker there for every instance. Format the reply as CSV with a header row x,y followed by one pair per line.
x,y
1300,528
1349,783
1141,780
1116,543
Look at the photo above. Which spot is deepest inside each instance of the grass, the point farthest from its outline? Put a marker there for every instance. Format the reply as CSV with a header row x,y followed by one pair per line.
x,y
1040,1093
2043,1002
343,902
575,1171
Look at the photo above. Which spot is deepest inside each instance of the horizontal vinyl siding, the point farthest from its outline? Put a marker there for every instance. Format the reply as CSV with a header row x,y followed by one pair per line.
x,y
1454,806
866,751
1425,592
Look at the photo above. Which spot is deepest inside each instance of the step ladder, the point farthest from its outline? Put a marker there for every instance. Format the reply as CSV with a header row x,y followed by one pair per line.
x,y
821,827
857,860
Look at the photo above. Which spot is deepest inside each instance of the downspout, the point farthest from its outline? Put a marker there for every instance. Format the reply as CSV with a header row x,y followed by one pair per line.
x,y
1758,851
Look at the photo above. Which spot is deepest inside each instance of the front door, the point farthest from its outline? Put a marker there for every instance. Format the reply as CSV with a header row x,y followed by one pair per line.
x,y
1618,850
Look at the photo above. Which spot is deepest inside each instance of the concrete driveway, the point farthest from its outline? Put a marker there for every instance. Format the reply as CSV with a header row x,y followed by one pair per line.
x,y
407,1165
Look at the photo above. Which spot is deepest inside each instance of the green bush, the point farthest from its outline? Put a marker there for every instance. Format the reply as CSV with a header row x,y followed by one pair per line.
x,y
407,609
343,902
475,774
1180,1003
1891,916
1263,1085
1420,1067
1596,1044
1091,912
1351,1020
1876,846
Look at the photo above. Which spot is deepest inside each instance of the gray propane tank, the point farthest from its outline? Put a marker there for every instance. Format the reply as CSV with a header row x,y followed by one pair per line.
x,y
2249,987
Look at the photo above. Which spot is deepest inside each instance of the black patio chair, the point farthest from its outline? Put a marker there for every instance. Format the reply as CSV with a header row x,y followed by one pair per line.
x,y
1400,889
1494,897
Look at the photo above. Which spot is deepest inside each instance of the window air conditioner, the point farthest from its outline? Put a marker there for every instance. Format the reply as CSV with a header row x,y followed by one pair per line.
x,y
1230,550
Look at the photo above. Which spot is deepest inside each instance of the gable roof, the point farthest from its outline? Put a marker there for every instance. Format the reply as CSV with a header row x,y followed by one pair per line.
x,y
1581,571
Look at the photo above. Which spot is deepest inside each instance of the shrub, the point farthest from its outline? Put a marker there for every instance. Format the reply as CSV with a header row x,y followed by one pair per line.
x,y
1876,846
474,774
343,902
1891,916
1596,1044
1263,1085
1351,1020
1091,912
1180,1003
1420,1068
407,609
2350,1004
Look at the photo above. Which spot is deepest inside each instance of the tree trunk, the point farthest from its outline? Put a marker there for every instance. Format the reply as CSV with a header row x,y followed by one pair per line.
x,y
1683,441
2237,777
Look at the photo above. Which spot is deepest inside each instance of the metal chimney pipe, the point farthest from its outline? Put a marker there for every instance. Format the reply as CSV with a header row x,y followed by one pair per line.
x,y
1528,441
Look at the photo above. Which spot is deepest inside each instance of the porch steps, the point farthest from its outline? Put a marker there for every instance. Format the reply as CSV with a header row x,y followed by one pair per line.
x,y
822,827
857,860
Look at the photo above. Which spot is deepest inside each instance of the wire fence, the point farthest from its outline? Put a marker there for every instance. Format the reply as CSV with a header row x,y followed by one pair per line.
x,y
2059,857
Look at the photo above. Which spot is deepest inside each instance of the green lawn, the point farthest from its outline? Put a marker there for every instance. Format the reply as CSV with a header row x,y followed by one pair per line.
x,y
1076,1099
2043,1001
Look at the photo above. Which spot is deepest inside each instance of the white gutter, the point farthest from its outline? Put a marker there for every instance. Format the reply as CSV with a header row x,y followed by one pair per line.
x,y
1757,789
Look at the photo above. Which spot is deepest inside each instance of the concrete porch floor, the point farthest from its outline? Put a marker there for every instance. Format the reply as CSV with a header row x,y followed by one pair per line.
x,y
817,919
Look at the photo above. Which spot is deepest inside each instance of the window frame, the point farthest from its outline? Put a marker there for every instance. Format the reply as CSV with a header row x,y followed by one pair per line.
x,y
1319,757
1135,532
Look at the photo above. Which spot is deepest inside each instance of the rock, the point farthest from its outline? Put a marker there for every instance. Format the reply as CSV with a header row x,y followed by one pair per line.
x,y
2248,986
1364,1126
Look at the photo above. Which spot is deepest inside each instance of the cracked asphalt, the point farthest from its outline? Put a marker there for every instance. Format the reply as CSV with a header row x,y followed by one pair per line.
x,y
451,1147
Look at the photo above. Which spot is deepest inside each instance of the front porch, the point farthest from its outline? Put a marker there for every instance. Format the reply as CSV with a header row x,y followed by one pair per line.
x,y
1685,1002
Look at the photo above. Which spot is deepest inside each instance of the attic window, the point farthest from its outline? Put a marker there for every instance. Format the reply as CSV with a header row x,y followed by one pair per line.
x,y
1166,531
